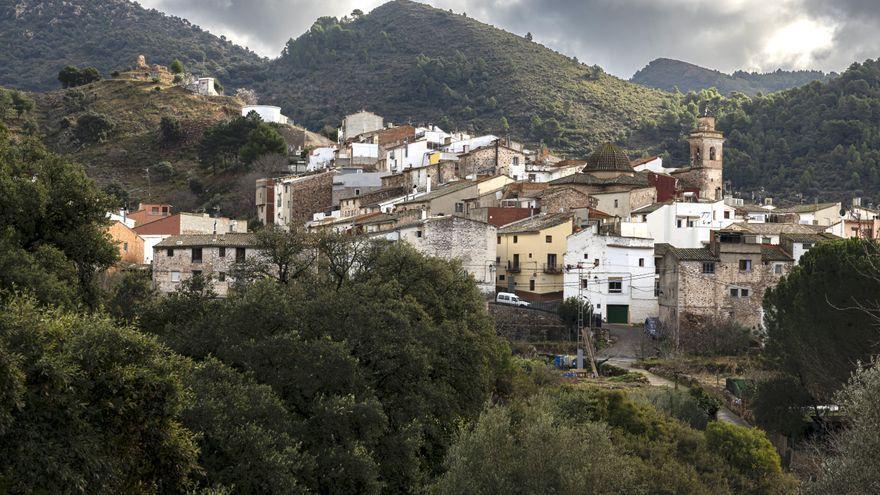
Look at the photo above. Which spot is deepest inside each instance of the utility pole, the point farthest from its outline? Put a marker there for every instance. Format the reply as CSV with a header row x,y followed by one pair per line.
x,y
586,333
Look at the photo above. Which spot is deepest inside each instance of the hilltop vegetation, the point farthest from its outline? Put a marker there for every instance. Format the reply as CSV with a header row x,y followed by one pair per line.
x,y
675,75
108,35
411,62
819,141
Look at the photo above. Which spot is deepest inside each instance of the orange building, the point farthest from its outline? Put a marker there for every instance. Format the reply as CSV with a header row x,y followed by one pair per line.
x,y
130,244
149,212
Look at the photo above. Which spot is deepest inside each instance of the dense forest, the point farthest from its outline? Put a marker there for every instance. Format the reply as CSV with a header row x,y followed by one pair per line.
x,y
819,141
675,75
108,35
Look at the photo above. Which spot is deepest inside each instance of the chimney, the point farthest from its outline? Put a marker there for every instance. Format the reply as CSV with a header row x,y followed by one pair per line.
x,y
465,148
857,202
424,214
428,187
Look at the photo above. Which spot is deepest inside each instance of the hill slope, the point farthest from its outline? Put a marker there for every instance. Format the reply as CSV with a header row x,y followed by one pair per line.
x,y
668,74
39,37
409,61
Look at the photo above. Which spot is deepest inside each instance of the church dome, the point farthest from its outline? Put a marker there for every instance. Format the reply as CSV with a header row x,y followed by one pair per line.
x,y
608,158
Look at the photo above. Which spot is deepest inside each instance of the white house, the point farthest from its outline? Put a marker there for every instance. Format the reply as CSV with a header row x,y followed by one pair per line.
x,y
268,113
407,155
466,145
321,158
615,274
680,224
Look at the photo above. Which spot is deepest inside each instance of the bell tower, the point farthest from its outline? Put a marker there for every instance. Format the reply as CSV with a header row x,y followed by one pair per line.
x,y
706,146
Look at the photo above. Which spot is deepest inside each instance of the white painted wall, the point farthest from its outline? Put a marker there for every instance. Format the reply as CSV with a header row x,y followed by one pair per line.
x,y
663,225
268,113
619,257
321,158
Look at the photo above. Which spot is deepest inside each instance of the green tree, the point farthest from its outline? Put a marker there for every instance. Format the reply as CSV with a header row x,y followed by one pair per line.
x,y
71,77
171,130
818,327
50,210
529,36
88,407
22,103
263,140
176,67
851,465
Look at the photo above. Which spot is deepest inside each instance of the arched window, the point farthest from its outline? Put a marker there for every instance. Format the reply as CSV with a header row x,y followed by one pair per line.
x,y
712,153
697,156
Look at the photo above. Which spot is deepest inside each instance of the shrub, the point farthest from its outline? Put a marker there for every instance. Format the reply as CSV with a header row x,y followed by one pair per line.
x,y
171,130
706,402
163,170
176,67
707,336
94,128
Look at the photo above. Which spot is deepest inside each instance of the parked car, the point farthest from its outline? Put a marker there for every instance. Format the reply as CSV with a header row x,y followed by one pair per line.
x,y
511,299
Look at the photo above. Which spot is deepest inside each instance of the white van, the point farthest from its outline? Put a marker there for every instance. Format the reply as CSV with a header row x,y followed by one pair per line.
x,y
511,299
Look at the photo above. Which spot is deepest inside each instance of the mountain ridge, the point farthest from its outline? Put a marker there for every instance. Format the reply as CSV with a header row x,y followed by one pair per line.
x,y
670,75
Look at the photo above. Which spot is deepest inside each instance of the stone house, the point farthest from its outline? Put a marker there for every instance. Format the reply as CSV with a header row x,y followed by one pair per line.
x,y
360,123
561,199
420,179
615,274
212,256
705,172
530,256
294,198
499,157
185,223
724,281
359,204
471,242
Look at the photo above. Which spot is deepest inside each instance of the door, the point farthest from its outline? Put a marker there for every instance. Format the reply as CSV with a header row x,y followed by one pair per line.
x,y
618,313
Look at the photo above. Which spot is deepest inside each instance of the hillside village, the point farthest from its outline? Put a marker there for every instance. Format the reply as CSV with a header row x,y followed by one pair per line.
x,y
634,238
484,273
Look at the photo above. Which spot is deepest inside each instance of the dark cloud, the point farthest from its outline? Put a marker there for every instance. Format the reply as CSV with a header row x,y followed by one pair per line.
x,y
620,35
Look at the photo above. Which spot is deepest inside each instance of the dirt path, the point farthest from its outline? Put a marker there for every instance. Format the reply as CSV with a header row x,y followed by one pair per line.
x,y
631,344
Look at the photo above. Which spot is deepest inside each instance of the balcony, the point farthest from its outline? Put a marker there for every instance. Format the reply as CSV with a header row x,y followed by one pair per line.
x,y
513,267
552,268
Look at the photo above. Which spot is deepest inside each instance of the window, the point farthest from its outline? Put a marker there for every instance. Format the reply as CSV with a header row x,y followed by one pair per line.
x,y
221,276
616,203
499,239
807,246
175,276
548,239
709,267
231,228
196,255
125,246
765,240
777,268
656,288
515,161
222,253
690,223
500,277
164,209
154,210
744,293
596,262
615,285
279,202
734,292
169,252
585,282
497,260
418,233
239,254
532,285
678,222
745,265
739,292
586,256
551,260
459,207
515,239
641,261
357,192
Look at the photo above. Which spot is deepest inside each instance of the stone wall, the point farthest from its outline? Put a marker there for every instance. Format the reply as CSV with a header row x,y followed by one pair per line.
x,y
469,241
311,195
489,160
559,199
212,266
527,325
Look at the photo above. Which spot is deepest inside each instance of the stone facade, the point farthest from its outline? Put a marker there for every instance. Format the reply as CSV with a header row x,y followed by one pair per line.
x,y
471,242
725,281
491,160
176,259
706,147
283,200
560,199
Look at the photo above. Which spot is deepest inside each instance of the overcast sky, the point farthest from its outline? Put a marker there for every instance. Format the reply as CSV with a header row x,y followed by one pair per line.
x,y
620,35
